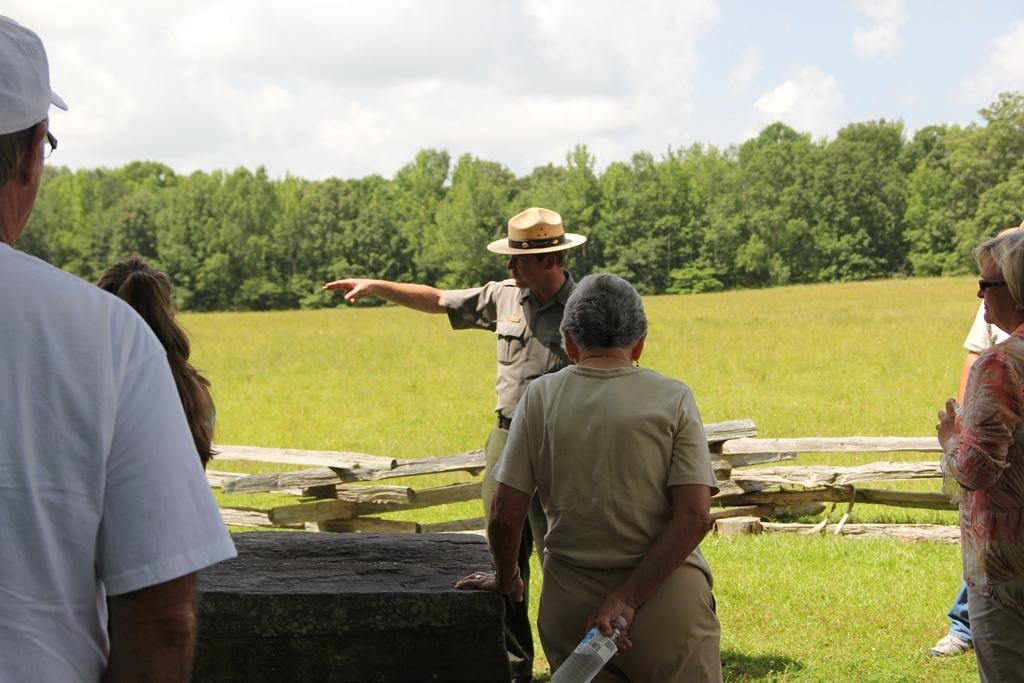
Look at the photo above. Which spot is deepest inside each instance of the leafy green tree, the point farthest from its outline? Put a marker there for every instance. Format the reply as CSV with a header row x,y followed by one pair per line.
x,y
417,191
186,246
322,212
368,241
545,186
930,221
779,208
580,208
863,194
1004,137
647,225
980,159
133,229
474,212
934,198
52,210
775,210
718,213
244,275
291,243
1002,206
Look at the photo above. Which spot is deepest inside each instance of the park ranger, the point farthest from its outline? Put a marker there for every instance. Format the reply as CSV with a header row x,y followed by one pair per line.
x,y
524,312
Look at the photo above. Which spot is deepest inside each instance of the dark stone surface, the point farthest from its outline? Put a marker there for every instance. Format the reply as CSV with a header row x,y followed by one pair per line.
x,y
349,607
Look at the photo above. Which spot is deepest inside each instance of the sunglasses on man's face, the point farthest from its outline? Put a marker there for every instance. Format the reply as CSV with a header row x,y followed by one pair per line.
x,y
51,144
986,284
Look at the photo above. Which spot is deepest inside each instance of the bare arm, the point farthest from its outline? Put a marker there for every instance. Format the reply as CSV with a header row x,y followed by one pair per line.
x,y
691,521
964,374
153,633
504,533
417,297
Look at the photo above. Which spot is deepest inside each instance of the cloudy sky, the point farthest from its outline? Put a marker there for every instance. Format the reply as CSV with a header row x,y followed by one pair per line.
x,y
348,88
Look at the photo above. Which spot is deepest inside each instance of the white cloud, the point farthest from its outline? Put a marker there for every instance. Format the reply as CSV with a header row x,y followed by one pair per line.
x,y
1004,70
352,88
884,38
746,70
809,101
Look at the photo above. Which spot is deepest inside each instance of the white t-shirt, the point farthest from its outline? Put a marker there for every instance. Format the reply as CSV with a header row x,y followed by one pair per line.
x,y
983,335
101,491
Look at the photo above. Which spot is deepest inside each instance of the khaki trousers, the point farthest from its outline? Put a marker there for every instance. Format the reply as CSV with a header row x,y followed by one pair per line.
x,y
676,635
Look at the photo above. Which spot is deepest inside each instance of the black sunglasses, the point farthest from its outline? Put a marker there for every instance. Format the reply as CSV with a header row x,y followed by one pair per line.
x,y
985,284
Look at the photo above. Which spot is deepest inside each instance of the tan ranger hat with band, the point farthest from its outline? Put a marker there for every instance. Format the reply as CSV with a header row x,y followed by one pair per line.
x,y
535,231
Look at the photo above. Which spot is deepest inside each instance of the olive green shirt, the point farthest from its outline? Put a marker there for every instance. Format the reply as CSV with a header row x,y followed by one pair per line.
x,y
529,343
601,447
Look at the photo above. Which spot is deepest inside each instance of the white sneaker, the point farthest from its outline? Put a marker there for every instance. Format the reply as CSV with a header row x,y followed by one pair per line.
x,y
949,646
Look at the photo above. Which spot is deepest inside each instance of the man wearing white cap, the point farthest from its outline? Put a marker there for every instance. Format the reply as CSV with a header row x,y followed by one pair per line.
x,y
101,492
524,312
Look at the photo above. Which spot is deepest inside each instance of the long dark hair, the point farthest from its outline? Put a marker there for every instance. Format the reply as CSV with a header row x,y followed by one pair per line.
x,y
148,291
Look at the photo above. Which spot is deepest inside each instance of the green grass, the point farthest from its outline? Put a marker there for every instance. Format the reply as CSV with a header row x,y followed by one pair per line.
x,y
833,609
872,358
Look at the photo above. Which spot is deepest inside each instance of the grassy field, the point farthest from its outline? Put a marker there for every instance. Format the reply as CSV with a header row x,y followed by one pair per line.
x,y
872,358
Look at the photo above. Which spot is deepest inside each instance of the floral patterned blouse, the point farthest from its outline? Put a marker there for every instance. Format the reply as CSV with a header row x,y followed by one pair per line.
x,y
986,459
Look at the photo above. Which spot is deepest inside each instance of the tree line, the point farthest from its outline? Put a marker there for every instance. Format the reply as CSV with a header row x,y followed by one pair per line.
x,y
780,208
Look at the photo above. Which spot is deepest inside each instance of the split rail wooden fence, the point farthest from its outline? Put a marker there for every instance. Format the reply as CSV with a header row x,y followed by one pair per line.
x,y
338,491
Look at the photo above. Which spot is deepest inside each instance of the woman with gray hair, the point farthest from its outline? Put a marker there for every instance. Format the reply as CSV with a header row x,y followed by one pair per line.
x,y
983,463
618,457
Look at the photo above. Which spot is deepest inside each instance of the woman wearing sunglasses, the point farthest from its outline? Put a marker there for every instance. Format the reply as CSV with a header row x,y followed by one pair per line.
x,y
983,463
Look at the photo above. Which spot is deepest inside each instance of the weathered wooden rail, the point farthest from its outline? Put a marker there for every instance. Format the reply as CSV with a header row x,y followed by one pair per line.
x,y
345,502
337,493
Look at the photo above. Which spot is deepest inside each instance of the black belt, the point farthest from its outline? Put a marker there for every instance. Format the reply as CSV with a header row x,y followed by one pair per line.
x,y
504,422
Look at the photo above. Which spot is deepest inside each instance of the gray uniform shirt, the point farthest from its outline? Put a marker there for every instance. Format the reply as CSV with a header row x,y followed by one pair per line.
x,y
529,343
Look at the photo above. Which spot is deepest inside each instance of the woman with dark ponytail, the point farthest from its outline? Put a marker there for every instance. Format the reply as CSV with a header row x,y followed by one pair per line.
x,y
148,291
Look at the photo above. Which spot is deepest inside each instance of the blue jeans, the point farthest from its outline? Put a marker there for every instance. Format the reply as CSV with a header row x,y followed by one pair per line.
x,y
959,621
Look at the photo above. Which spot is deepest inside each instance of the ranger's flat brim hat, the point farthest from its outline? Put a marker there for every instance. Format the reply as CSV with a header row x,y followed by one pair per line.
x,y
535,231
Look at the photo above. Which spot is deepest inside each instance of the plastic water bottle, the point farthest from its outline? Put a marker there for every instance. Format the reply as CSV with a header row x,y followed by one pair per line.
x,y
590,655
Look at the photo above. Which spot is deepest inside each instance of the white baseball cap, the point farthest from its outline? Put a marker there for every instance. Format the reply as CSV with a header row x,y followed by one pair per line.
x,y
25,95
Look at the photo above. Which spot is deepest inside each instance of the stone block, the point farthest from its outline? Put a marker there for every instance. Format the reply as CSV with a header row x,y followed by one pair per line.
x,y
349,607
